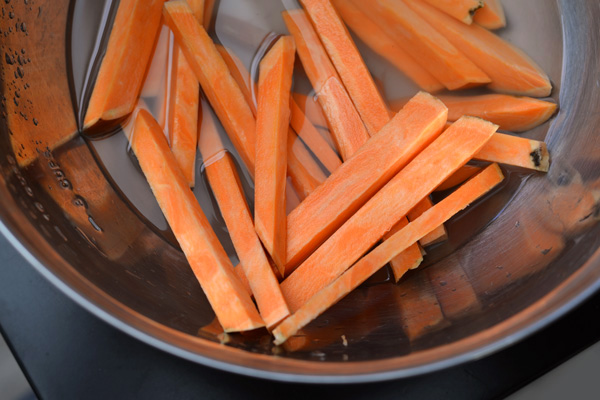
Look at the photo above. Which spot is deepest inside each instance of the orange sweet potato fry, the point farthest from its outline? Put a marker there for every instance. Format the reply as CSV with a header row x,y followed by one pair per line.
x,y
123,67
240,75
437,235
228,298
209,8
377,258
509,68
197,7
343,119
303,172
381,43
349,64
351,185
462,10
491,16
274,88
422,40
450,151
409,259
458,177
311,108
516,151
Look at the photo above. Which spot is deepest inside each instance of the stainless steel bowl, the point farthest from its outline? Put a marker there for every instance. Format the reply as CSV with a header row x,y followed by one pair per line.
x,y
514,263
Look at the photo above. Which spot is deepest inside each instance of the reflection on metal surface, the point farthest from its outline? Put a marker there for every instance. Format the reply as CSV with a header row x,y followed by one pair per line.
x,y
516,261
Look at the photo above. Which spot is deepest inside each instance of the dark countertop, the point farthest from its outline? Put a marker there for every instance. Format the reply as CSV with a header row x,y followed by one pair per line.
x,y
66,352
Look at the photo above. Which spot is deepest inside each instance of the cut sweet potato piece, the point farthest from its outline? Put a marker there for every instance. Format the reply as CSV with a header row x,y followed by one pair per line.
x,y
409,259
516,151
381,43
183,115
512,113
462,10
304,173
450,151
342,117
420,39
292,199
351,185
240,75
312,138
123,67
509,68
209,8
228,298
197,7
437,235
272,121
328,295
458,177
311,108
349,64
218,85
491,16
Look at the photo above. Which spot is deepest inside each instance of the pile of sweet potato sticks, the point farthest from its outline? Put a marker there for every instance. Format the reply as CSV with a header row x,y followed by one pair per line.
x,y
356,172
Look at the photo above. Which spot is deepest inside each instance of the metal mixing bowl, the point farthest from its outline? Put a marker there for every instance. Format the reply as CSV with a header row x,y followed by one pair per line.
x,y
515,262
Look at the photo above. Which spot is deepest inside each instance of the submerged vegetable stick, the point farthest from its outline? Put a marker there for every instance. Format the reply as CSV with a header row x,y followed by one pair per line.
x,y
435,53
351,185
183,115
311,108
123,67
292,199
312,138
510,69
209,8
218,85
462,10
225,185
349,64
381,43
458,177
240,74
516,151
437,235
343,119
409,259
228,298
272,121
450,151
304,173
491,16
377,258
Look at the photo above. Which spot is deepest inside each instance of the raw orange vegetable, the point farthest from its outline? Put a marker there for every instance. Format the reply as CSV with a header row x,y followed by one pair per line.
x,y
240,75
491,16
512,113
312,138
311,108
349,64
218,85
156,80
225,184
228,298
351,185
304,173
123,67
381,43
462,10
343,119
458,177
450,151
421,40
437,235
516,151
272,121
328,295
242,278
183,115
209,7
509,68
409,259
197,7
292,199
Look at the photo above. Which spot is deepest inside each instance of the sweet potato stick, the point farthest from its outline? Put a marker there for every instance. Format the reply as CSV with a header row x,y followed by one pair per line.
x,y
343,119
228,298
420,39
516,151
509,68
240,74
123,67
377,258
409,259
458,177
381,43
491,16
272,125
209,8
349,64
351,185
461,10
450,151
311,108
197,7
225,184
437,235
218,85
